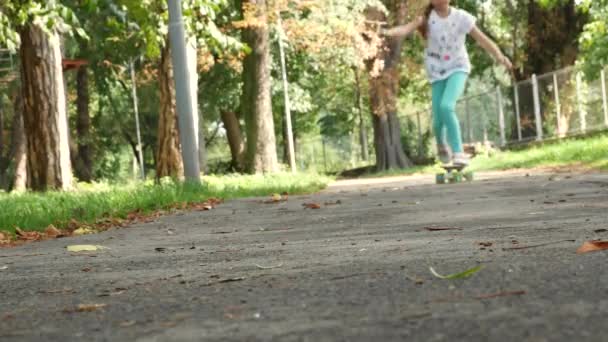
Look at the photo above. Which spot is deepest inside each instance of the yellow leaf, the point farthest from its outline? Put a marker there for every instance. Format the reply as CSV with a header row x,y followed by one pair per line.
x,y
89,307
84,248
83,231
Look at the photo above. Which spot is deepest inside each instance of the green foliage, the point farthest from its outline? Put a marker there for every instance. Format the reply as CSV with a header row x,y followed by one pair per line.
x,y
594,40
51,15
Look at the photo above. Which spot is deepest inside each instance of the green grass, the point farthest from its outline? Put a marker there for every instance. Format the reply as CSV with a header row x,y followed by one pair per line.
x,y
587,152
35,211
591,152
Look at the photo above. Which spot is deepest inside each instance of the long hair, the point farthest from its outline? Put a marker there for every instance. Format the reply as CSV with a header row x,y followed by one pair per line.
x,y
424,28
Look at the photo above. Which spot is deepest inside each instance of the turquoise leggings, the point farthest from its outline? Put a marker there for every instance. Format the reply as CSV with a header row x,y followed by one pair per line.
x,y
445,94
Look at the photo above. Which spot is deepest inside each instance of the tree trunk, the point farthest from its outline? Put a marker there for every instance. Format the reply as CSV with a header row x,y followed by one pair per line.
x,y
384,90
261,154
44,114
19,145
168,157
362,132
235,139
84,163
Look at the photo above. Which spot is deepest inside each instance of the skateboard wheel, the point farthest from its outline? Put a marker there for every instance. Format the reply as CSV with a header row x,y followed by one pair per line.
x,y
440,178
456,177
468,176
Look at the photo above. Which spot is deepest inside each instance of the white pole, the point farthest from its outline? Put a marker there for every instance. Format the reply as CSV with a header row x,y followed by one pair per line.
x,y
501,118
292,156
604,97
537,116
558,107
579,101
183,93
517,112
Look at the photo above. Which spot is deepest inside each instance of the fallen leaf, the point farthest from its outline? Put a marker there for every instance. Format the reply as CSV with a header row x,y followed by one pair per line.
x,y
89,307
3,268
127,324
86,269
223,281
51,231
600,230
65,290
5,237
83,231
501,294
276,198
486,244
27,235
333,203
593,246
311,206
438,229
160,249
84,248
268,267
534,246
460,275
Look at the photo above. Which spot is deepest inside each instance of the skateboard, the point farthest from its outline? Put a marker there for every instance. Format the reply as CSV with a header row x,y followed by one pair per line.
x,y
453,174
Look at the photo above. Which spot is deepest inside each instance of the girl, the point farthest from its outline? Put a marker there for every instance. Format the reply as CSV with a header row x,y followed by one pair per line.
x,y
447,65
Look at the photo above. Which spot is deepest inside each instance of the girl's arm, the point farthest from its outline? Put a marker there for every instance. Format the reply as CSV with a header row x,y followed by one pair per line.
x,y
406,29
488,45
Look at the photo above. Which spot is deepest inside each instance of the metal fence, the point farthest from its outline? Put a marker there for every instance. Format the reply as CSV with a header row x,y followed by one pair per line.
x,y
554,105
551,106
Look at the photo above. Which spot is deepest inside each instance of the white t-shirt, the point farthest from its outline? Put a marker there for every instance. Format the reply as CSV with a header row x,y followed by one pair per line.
x,y
446,52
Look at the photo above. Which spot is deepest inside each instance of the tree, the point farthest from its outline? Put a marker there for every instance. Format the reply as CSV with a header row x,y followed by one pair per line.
x,y
384,75
34,25
261,154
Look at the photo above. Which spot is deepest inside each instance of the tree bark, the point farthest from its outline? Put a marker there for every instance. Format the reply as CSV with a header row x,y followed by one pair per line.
x,y
384,90
19,145
261,154
84,163
235,138
168,157
44,114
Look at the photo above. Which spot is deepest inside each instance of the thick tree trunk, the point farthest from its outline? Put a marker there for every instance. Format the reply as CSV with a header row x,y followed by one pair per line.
x,y
551,43
168,157
261,154
235,138
19,145
384,90
44,114
84,163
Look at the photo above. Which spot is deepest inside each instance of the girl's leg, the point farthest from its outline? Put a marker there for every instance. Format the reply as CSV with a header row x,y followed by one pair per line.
x,y
438,89
453,90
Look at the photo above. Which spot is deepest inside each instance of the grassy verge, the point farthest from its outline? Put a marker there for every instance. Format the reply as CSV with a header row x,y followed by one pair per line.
x,y
591,153
35,211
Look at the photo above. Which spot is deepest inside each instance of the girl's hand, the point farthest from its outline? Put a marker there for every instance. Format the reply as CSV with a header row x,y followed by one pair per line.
x,y
506,62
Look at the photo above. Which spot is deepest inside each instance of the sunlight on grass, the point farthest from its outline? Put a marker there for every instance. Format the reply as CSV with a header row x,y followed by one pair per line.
x,y
35,211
